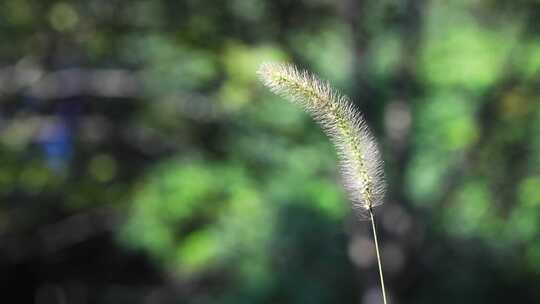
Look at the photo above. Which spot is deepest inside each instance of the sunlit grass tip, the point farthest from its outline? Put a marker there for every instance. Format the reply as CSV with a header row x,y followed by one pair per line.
x,y
360,159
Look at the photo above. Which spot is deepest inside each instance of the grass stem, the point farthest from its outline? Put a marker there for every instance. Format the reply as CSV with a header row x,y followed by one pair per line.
x,y
372,216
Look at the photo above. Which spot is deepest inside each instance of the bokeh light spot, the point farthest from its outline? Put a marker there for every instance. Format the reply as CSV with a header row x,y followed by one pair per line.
x,y
63,17
102,167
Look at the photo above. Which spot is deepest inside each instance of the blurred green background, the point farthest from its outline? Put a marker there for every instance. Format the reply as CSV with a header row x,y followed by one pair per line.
x,y
142,162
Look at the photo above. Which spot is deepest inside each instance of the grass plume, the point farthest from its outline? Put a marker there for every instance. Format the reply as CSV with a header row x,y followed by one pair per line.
x,y
360,160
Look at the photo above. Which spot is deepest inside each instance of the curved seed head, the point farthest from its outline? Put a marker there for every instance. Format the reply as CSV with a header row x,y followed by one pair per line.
x,y
360,160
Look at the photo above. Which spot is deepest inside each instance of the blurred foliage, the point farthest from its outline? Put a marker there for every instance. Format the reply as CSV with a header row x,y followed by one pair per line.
x,y
143,163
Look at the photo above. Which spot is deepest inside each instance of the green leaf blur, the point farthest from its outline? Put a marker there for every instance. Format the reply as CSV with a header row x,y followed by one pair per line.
x,y
142,162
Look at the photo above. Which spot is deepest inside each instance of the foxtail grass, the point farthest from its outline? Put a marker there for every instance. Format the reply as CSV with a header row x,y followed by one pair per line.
x,y
360,160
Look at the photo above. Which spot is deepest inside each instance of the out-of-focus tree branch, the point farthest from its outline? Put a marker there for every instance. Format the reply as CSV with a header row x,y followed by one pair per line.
x,y
38,83
57,236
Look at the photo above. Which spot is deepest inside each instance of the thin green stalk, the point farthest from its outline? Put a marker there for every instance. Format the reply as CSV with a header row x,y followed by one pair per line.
x,y
378,254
